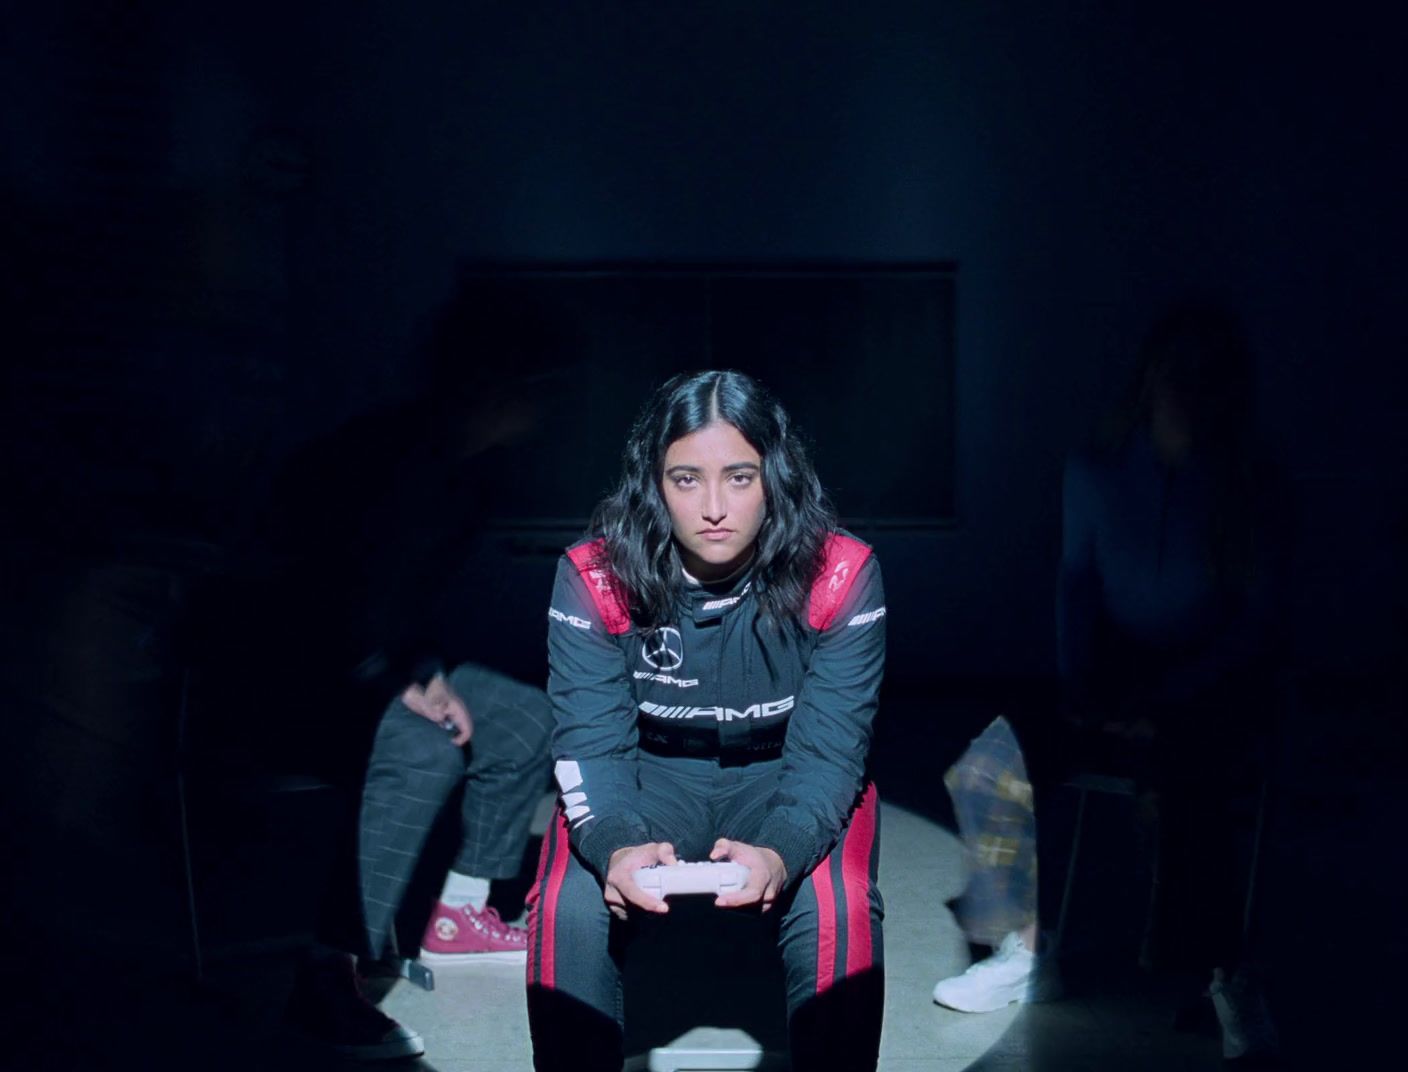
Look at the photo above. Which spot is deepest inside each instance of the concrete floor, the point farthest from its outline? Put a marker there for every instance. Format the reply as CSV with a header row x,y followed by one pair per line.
x,y
1333,995
103,980
475,1019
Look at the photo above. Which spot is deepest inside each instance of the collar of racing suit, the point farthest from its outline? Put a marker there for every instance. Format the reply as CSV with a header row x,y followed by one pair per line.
x,y
709,602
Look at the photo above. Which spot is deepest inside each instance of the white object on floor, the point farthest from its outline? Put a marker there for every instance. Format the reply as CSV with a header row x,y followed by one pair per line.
x,y
1247,1029
707,1049
992,983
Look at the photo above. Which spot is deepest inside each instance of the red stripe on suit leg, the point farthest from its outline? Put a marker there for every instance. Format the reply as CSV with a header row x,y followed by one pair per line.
x,y
825,926
554,893
534,899
855,873
546,890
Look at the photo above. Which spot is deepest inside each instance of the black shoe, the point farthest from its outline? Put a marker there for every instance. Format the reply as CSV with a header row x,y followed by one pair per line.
x,y
327,1007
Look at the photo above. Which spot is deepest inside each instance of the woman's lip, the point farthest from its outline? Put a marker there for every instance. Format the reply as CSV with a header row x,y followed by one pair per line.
x,y
716,534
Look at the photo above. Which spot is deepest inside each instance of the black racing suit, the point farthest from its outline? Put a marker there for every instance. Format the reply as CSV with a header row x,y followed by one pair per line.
x,y
718,725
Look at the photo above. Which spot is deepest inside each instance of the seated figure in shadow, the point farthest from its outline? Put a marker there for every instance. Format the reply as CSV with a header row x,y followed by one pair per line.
x,y
1166,621
380,685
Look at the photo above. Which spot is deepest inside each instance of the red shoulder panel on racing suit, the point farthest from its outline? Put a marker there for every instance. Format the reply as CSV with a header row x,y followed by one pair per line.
x,y
844,558
591,562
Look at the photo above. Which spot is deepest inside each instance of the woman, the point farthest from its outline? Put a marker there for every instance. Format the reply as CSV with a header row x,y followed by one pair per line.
x,y
715,655
1166,617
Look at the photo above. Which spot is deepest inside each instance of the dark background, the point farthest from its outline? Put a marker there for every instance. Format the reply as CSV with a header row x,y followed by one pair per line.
x,y
864,350
226,231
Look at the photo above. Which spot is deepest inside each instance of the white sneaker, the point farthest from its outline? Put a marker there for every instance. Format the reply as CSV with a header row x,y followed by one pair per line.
x,y
992,983
1247,1029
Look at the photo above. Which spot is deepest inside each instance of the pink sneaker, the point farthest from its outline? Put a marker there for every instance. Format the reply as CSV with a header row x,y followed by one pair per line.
x,y
464,936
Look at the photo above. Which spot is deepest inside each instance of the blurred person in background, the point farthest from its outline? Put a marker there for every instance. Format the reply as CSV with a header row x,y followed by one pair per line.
x,y
360,653
1166,616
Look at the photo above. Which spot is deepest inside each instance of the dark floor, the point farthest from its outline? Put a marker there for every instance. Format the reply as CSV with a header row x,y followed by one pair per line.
x,y
99,953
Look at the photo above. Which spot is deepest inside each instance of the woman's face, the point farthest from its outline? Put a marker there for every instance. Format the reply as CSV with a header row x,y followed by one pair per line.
x,y
713,487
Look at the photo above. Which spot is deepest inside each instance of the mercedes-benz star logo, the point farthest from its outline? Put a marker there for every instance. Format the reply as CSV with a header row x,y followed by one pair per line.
x,y
664,649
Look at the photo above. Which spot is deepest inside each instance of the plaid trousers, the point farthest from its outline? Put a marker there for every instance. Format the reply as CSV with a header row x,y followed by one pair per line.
x,y
992,799
414,767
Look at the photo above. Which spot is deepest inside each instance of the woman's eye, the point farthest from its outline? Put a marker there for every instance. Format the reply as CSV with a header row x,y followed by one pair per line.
x,y
741,480
684,481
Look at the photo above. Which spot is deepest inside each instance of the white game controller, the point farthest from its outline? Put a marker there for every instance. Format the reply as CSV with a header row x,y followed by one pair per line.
x,y
662,880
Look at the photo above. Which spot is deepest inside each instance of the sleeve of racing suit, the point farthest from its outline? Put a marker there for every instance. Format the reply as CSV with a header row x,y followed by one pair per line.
x,y
829,733
594,735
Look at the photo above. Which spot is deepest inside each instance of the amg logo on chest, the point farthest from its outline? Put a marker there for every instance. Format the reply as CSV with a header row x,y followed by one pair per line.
x,y
666,679
768,709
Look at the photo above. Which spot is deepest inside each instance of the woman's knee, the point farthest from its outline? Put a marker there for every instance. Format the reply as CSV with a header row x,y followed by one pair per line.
x,y
577,912
487,693
408,741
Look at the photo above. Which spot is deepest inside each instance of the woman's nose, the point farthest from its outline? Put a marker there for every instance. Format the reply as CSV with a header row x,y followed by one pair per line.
x,y
715,508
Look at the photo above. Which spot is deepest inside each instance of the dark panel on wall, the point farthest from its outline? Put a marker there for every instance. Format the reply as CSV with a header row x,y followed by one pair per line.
x,y
864,362
861,356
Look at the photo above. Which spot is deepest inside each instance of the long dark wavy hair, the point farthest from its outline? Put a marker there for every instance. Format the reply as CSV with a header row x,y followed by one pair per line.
x,y
635,521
